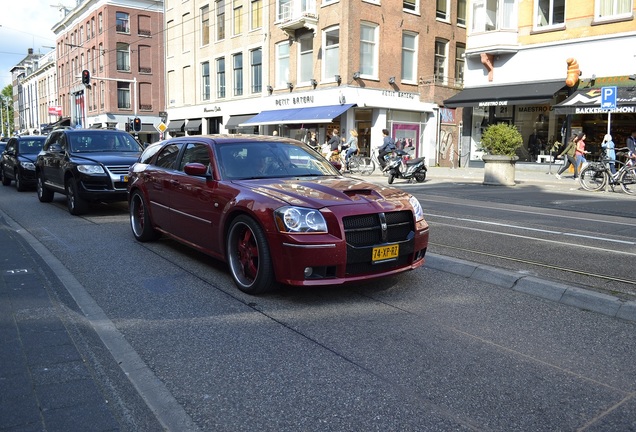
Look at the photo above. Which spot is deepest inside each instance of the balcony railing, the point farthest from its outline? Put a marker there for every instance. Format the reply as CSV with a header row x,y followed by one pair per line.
x,y
297,14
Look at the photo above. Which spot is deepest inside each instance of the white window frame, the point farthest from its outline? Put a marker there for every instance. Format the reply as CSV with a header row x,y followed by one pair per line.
x,y
444,78
204,14
304,77
447,12
412,52
282,64
369,51
237,17
123,57
206,90
330,64
256,14
238,74
614,15
550,24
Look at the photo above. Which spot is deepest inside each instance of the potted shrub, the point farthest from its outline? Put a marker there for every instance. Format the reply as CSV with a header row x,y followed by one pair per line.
x,y
500,142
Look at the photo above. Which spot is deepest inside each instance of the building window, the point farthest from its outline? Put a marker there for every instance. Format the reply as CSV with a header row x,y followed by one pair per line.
x,y
604,9
410,5
122,22
81,34
237,17
282,64
205,25
256,65
441,12
256,14
102,96
144,25
220,77
92,27
461,12
220,20
549,13
439,66
489,15
460,62
306,59
369,50
205,81
123,95
100,23
331,62
237,65
144,59
123,57
409,56
100,54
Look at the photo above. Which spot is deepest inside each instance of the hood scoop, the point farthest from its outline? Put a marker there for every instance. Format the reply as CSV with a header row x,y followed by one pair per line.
x,y
367,193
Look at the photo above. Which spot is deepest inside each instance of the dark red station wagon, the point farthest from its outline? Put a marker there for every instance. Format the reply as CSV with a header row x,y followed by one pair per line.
x,y
275,210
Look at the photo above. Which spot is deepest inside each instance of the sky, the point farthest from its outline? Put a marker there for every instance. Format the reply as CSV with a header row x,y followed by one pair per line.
x,y
26,24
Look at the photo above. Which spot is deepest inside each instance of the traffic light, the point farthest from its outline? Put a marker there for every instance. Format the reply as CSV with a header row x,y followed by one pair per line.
x,y
86,77
137,124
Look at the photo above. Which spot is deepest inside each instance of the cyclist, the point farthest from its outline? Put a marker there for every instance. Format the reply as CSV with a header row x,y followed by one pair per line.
x,y
388,145
351,146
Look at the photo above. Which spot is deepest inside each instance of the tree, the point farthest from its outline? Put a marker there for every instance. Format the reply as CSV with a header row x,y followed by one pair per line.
x,y
7,99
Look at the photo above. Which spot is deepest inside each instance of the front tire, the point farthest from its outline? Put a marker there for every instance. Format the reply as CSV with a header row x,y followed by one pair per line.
x,y
628,181
76,205
5,181
249,257
19,184
44,195
140,219
391,177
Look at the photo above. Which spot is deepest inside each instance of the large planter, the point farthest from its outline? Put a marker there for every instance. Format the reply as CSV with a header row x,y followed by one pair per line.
x,y
499,170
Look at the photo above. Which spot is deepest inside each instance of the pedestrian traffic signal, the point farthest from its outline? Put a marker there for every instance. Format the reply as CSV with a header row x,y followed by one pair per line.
x,y
86,77
137,124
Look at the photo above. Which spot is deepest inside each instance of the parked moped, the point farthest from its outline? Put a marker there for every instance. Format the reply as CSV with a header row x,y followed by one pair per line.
x,y
401,166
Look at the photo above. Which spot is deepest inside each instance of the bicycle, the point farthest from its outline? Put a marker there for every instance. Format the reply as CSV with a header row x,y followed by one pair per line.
x,y
363,165
597,175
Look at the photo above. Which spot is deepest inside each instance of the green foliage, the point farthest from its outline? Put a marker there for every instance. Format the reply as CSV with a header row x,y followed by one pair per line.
x,y
501,139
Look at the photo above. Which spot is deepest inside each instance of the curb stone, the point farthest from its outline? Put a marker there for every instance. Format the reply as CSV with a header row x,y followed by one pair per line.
x,y
581,298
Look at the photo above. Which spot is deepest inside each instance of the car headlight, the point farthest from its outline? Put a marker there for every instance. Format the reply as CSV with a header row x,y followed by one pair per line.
x,y
417,208
90,169
299,220
28,166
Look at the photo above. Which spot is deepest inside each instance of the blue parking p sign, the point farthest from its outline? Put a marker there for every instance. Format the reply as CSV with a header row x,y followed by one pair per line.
x,y
608,98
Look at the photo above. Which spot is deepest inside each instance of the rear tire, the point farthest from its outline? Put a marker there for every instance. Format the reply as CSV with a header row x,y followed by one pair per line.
x,y
5,181
76,205
593,178
44,194
140,219
391,177
249,257
420,177
628,181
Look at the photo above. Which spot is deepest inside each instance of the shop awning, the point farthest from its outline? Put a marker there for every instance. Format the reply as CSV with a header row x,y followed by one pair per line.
x,y
236,120
320,114
148,127
503,95
587,100
193,125
176,126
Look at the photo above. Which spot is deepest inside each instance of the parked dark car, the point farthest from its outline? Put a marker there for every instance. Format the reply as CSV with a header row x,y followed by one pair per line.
x,y
87,165
275,210
18,161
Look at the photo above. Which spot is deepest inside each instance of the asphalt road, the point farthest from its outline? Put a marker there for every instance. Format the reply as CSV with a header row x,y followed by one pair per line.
x,y
428,350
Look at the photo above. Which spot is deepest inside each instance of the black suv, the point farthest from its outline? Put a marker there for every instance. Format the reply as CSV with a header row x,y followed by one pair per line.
x,y
87,165
18,161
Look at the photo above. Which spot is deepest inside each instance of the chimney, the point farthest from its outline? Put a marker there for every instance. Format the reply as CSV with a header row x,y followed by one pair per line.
x,y
30,52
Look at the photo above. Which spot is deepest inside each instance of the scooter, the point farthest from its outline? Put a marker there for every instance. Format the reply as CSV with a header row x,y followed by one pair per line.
x,y
401,166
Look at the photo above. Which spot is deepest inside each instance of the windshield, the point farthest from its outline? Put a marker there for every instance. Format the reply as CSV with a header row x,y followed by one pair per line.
x,y
252,160
31,146
97,141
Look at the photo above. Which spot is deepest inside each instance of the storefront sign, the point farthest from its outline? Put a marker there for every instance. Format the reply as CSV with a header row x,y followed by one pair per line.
x,y
215,108
493,103
399,94
297,100
55,110
599,110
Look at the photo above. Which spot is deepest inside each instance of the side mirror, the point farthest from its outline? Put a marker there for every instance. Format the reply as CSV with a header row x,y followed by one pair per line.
x,y
197,169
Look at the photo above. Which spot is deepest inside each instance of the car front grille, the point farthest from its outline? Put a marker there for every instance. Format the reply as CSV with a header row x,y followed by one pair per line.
x,y
366,230
363,232
118,169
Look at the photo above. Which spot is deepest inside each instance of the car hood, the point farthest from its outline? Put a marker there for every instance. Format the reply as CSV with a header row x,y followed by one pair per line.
x,y
326,191
30,157
114,158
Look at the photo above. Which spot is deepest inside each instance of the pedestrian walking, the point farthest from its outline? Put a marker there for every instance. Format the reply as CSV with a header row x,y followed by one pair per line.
x,y
580,153
568,154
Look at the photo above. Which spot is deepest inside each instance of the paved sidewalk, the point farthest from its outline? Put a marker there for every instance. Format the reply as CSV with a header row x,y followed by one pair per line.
x,y
44,381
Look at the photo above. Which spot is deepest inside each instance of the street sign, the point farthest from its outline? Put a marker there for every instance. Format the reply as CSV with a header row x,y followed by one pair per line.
x,y
608,98
161,127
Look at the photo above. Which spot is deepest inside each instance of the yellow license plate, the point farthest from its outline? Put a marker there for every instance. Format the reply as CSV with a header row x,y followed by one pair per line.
x,y
123,178
381,253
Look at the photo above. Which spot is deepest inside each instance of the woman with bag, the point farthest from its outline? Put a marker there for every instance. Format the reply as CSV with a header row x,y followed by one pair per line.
x,y
568,152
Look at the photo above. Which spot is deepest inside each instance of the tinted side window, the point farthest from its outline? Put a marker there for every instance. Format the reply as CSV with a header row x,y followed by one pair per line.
x,y
168,155
195,153
148,154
